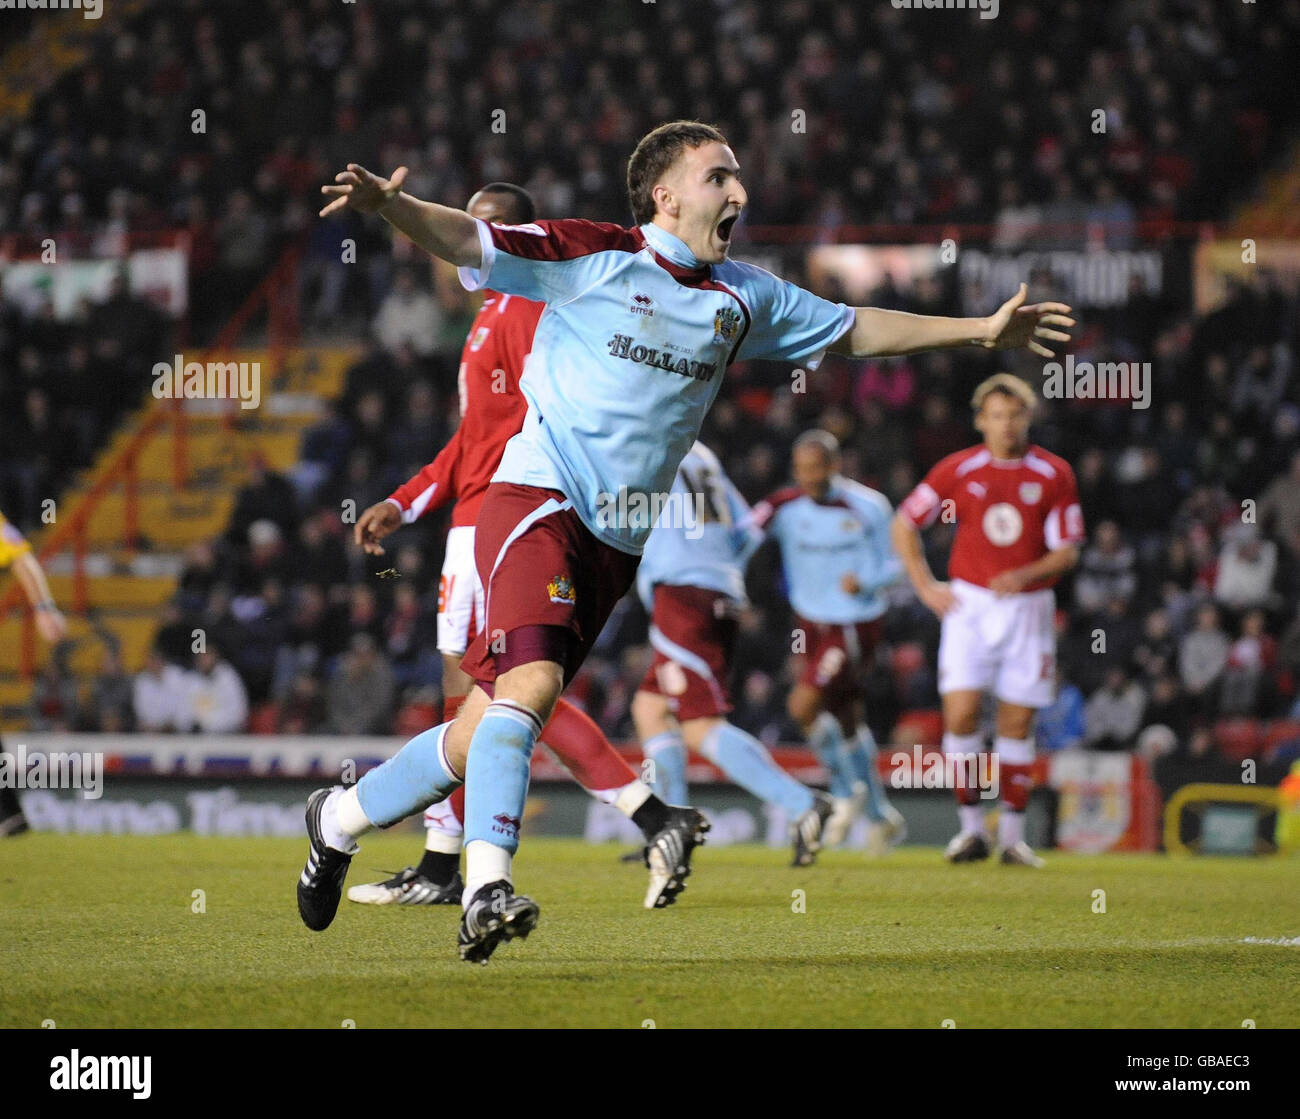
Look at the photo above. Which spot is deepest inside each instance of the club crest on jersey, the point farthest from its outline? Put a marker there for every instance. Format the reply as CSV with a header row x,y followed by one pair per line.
x,y
726,325
1031,492
1003,524
561,591
480,336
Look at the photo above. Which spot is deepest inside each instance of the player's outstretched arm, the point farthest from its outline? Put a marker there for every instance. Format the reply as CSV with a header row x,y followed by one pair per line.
x,y
878,333
49,620
440,231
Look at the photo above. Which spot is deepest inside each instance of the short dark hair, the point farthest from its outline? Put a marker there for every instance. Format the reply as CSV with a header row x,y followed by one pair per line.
x,y
523,209
657,151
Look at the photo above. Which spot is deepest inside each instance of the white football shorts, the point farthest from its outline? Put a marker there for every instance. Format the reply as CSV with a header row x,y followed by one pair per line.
x,y
1003,643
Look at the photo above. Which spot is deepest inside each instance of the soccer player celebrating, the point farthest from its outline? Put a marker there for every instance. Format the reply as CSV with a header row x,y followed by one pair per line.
x,y
692,581
834,539
16,552
629,354
1019,528
492,410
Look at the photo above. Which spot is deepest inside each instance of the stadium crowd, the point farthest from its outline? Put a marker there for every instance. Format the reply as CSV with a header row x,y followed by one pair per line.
x,y
1182,611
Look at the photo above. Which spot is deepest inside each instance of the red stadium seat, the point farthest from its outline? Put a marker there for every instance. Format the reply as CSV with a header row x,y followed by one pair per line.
x,y
1238,739
1281,730
919,728
263,719
414,718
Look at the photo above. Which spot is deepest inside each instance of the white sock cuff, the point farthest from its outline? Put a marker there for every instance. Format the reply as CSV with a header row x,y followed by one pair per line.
x,y
1014,751
509,709
443,759
962,743
347,815
627,799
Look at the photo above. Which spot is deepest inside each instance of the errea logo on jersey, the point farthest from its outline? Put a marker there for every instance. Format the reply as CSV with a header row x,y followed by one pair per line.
x,y
642,304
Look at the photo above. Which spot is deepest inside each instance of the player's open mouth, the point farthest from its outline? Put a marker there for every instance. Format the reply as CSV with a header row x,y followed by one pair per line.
x,y
725,226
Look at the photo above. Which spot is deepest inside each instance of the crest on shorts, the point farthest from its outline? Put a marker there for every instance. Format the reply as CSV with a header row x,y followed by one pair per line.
x,y
561,590
726,325
1030,492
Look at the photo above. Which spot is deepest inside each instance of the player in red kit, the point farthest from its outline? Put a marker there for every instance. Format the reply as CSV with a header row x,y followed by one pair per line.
x,y
492,410
1019,528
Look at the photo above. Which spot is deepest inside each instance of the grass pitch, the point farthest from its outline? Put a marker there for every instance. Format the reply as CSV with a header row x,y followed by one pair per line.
x,y
102,931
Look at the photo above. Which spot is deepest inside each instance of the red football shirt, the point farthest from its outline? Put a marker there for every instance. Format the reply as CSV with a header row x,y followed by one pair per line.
x,y
1009,512
491,411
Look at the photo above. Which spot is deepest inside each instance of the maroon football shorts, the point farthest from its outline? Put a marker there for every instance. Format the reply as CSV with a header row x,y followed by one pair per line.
x,y
693,631
836,656
540,567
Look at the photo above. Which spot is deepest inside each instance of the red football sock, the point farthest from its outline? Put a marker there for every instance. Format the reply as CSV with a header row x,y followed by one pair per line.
x,y
1017,782
584,750
451,705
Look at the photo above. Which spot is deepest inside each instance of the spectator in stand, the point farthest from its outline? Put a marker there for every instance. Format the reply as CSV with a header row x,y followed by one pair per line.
x,y
1247,566
1113,714
265,496
56,698
1168,708
157,695
303,712
1062,725
109,709
1247,678
1202,657
1107,570
214,700
1157,652
361,694
408,316
1279,508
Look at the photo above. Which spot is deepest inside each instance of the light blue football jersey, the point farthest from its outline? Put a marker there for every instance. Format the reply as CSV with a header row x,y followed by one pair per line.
x,y
703,536
821,541
629,355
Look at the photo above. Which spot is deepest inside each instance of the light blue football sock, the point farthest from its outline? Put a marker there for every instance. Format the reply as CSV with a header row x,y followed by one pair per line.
x,y
746,761
497,772
862,753
417,776
666,754
827,741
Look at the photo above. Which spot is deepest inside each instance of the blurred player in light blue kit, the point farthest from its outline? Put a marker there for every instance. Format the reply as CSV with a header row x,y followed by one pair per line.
x,y
692,583
836,556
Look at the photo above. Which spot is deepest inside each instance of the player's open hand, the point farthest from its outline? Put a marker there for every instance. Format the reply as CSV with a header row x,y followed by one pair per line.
x,y
938,598
361,190
373,525
1016,324
1008,582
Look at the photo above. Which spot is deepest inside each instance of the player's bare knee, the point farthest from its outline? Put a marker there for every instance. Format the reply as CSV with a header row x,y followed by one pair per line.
x,y
803,705
536,685
695,731
650,715
1015,722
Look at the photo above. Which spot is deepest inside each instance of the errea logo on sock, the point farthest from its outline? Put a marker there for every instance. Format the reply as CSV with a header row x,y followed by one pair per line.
x,y
89,1073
